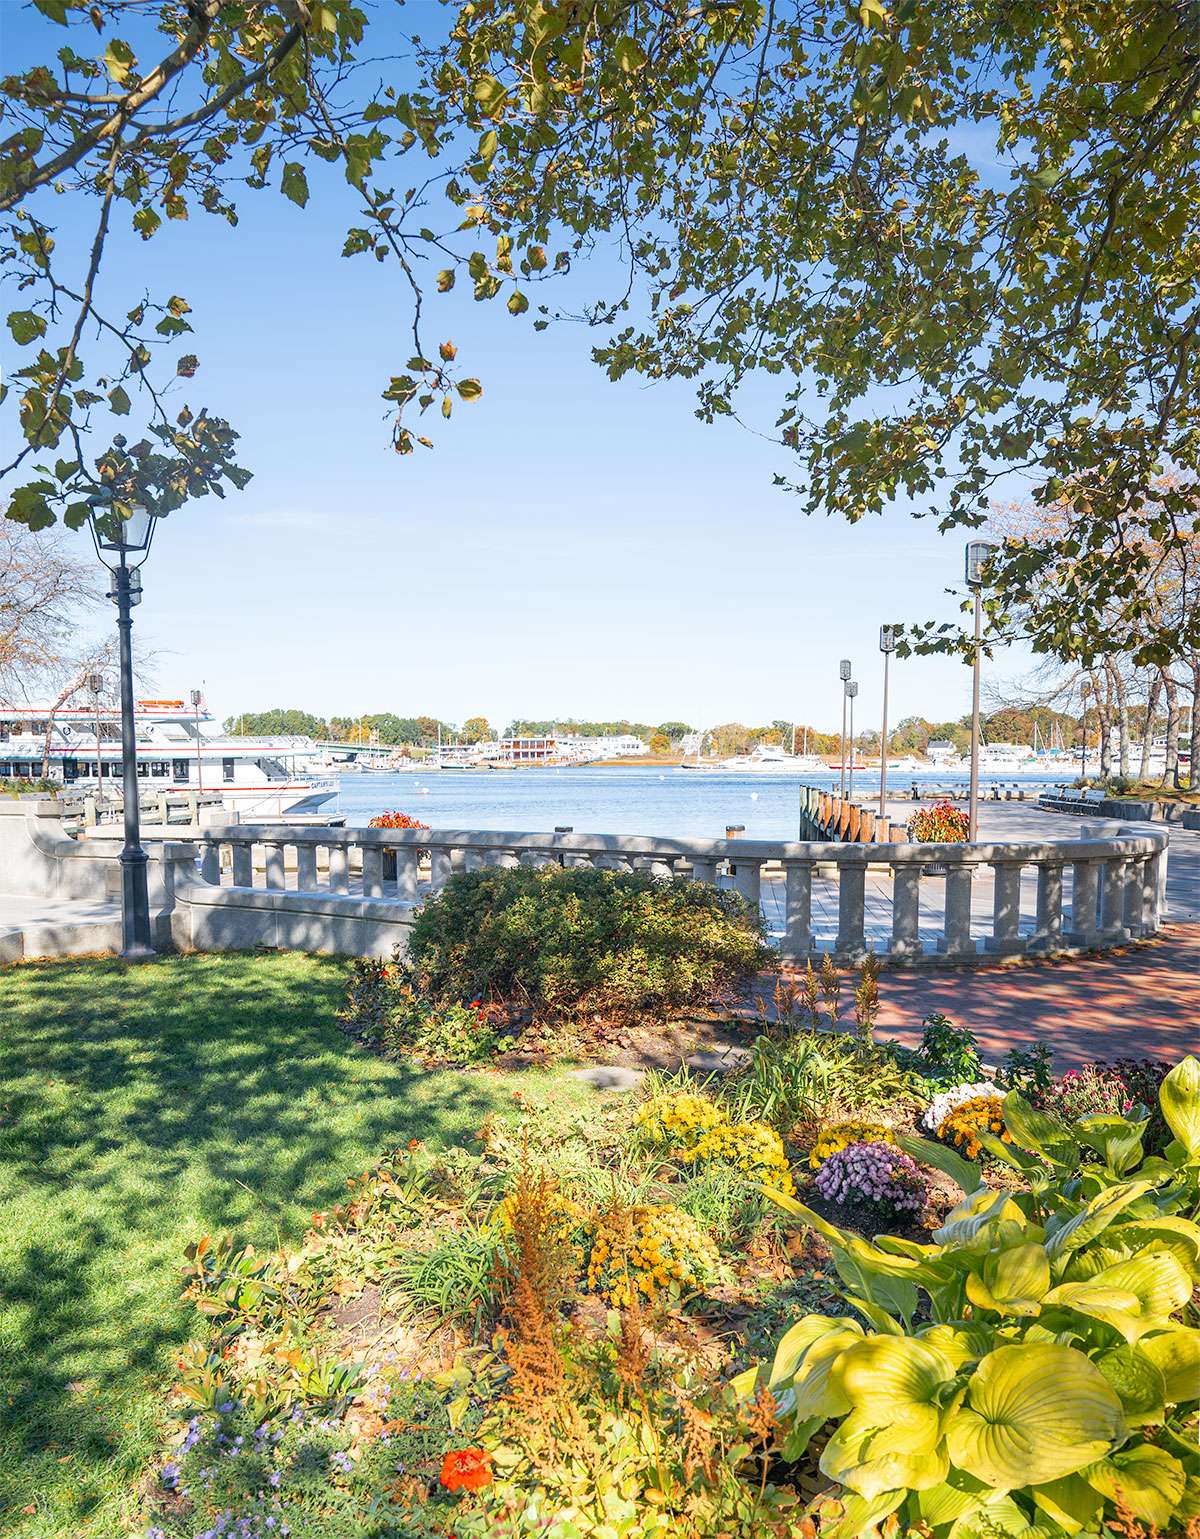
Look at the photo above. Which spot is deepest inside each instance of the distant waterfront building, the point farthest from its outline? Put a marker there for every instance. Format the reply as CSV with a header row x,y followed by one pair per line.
x,y
626,745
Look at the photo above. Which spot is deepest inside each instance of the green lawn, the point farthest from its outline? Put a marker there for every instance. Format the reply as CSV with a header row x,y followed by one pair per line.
x,y
139,1108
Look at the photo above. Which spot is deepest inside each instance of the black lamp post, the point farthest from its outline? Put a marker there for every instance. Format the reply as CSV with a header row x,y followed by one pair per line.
x,y
844,675
122,536
887,645
851,692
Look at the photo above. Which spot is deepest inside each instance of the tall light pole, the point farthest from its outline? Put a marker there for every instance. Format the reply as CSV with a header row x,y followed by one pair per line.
x,y
122,534
977,553
95,683
887,645
851,691
1083,691
196,699
844,675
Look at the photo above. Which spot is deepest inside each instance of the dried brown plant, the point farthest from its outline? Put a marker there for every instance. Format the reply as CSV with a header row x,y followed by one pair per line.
x,y
537,1269
866,997
831,988
812,994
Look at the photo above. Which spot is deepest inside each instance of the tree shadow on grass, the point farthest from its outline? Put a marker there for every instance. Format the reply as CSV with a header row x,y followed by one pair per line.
x,y
143,1107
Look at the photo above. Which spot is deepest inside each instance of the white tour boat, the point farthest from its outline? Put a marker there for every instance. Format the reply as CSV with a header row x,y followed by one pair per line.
x,y
258,777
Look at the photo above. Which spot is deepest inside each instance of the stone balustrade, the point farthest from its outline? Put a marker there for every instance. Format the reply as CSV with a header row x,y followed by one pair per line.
x,y
1007,899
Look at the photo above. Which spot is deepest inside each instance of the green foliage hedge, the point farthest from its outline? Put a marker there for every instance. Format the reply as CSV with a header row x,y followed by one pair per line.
x,y
565,941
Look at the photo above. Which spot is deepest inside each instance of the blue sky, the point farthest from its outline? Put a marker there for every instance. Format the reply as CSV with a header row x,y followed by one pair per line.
x,y
571,546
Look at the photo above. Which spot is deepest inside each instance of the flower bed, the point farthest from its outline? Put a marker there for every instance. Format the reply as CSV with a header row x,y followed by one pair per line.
x,y
568,1335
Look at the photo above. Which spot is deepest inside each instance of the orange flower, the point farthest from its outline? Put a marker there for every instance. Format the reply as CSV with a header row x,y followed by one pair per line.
x,y
414,1143
467,1468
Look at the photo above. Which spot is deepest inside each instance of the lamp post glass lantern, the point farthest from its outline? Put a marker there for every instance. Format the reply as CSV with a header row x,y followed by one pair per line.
x,y
844,675
122,535
887,645
978,552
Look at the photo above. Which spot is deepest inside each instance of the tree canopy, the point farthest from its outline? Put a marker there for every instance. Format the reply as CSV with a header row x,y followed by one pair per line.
x,y
962,236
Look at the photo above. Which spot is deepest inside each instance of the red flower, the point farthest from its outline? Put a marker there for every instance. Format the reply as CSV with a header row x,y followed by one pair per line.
x,y
414,1143
467,1468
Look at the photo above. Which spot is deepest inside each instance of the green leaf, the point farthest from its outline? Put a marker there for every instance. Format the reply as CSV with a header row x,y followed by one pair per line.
x,y
964,1173
894,1383
517,304
795,1342
1137,1380
627,52
1034,1413
26,326
1013,1282
118,399
1038,1131
294,183
856,1456
1176,1354
445,280
469,389
1179,1097
490,95
488,145
119,60
810,1380
1148,1480
1116,1138
1071,1501
1094,1218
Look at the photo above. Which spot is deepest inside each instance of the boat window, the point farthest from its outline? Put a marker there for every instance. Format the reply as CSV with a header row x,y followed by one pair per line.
x,y
227,768
181,768
143,770
160,769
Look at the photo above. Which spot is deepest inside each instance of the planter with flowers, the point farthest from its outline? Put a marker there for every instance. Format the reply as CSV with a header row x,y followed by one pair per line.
x,y
394,820
942,823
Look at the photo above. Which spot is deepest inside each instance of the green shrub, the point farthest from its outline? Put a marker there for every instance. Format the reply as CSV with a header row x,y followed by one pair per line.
x,y
566,941
1054,1385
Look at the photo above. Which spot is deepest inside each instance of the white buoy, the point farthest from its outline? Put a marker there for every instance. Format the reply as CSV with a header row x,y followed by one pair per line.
x,y
754,796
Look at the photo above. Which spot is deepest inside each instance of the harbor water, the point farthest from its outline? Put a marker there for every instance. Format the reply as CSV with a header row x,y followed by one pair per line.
x,y
669,803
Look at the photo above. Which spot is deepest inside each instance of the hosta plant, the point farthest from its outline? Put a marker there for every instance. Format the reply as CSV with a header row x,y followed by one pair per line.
x,y
1051,1384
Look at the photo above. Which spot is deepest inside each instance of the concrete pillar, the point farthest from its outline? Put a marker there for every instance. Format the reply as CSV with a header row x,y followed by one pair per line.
x,y
956,940
748,879
704,871
243,871
210,862
306,867
1006,938
441,868
797,911
851,942
1112,900
1048,936
339,869
276,881
1085,903
372,870
906,911
406,876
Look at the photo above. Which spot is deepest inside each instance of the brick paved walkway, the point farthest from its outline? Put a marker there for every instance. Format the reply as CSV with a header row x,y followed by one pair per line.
x,y
1141,1002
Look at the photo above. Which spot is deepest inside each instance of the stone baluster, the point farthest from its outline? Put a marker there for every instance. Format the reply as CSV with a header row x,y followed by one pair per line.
x,y
1139,913
210,862
797,911
406,875
441,867
1006,938
748,879
276,870
851,943
504,858
956,939
306,866
339,869
372,870
242,865
704,870
1156,887
1048,936
906,911
1112,900
1085,904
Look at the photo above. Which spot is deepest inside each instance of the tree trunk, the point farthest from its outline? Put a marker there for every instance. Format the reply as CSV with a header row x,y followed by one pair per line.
x,y
1118,684
1148,733
1171,768
65,696
1194,739
1104,718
